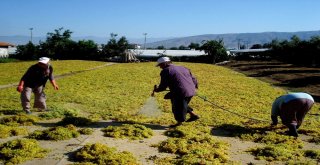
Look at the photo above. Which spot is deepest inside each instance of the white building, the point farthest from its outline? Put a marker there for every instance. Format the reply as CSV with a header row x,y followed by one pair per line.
x,y
6,49
159,52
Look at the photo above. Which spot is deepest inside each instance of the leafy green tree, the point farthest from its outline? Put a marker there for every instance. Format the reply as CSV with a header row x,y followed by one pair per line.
x,y
87,50
58,45
123,45
27,52
242,46
114,47
215,50
256,46
161,47
315,50
297,51
182,47
173,48
195,46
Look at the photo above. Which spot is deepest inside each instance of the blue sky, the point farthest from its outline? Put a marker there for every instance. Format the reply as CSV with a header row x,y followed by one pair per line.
x,y
157,18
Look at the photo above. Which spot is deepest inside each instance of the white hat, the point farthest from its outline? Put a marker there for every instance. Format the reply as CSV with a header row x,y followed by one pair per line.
x,y
162,60
44,60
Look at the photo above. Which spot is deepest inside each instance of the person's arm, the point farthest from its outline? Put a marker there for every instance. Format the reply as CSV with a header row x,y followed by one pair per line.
x,y
54,84
195,81
275,110
163,82
274,119
52,80
20,86
23,78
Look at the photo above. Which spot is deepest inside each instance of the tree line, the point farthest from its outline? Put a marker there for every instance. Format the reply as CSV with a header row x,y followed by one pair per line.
x,y
297,51
59,45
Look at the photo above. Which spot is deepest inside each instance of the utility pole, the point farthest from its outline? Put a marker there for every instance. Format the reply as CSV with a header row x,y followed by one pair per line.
x,y
145,40
239,44
31,34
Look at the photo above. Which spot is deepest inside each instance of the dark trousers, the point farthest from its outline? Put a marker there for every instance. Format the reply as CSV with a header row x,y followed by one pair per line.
x,y
180,107
293,112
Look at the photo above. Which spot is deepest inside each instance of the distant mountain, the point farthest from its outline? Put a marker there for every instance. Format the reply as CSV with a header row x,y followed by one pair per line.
x,y
232,40
22,40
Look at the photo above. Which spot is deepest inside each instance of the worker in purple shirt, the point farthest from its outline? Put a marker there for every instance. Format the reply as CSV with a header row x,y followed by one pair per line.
x,y
182,85
292,109
34,80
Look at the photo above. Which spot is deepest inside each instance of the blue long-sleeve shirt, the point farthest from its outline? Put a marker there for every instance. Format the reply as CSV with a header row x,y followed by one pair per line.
x,y
179,80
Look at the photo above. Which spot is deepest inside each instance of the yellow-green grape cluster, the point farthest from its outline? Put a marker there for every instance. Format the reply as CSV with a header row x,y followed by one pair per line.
x,y
7,131
130,131
19,120
56,133
102,154
20,150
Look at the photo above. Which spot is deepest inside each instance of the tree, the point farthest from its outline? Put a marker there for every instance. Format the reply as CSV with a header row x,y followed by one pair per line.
x,y
182,47
27,52
58,45
87,50
115,48
256,46
195,46
161,47
173,48
215,50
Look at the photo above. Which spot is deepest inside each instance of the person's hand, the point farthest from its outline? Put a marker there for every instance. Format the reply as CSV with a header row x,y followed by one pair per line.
x,y
56,87
20,88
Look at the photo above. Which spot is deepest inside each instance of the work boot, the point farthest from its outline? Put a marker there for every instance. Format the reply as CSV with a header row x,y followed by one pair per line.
x,y
193,118
175,125
292,131
42,110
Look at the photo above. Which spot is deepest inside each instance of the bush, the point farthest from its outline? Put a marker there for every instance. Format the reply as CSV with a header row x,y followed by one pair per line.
x,y
194,146
314,154
274,152
102,154
133,132
77,121
56,133
7,131
86,131
19,120
57,112
20,150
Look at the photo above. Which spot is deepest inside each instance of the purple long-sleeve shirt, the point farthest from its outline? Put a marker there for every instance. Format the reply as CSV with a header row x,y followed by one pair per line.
x,y
179,80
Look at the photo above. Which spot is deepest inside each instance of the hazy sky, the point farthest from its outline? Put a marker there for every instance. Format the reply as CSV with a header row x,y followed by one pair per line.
x,y
157,18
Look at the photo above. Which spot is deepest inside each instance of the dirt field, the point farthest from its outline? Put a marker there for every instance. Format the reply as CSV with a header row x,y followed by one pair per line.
x,y
287,76
283,75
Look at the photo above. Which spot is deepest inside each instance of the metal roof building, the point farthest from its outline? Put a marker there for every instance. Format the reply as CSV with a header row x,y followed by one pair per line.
x,y
159,52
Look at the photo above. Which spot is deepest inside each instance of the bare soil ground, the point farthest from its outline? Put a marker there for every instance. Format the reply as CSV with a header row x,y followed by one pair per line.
x,y
287,76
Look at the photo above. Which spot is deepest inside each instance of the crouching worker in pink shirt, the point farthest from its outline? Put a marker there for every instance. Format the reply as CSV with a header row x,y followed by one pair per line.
x,y
292,109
